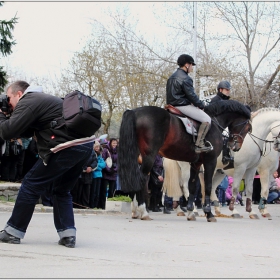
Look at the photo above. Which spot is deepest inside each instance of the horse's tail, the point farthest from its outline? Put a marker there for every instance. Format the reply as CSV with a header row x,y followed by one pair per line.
x,y
130,177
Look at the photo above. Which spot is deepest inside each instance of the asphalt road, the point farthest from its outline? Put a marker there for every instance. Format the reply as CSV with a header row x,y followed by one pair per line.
x,y
115,246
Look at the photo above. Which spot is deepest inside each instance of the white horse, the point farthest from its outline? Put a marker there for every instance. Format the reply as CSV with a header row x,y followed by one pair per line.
x,y
246,161
175,183
256,153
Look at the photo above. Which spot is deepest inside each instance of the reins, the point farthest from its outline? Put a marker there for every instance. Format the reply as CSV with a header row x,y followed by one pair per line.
x,y
263,152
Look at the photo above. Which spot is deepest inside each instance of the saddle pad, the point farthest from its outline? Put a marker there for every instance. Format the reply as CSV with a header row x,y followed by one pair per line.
x,y
189,126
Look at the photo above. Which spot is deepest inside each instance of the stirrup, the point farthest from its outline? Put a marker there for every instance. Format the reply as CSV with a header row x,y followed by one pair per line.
x,y
204,149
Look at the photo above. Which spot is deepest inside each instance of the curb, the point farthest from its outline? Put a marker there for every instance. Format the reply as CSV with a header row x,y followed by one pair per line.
x,y
40,208
8,206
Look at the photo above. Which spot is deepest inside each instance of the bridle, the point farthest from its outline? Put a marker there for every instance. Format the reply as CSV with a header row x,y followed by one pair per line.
x,y
234,136
276,141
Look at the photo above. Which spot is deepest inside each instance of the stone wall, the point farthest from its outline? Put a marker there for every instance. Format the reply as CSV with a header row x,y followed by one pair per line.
x,y
9,191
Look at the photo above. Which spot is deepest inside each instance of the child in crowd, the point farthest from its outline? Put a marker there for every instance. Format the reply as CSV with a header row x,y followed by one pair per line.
x,y
229,193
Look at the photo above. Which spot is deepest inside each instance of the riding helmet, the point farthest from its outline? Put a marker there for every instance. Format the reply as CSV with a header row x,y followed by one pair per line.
x,y
185,58
224,84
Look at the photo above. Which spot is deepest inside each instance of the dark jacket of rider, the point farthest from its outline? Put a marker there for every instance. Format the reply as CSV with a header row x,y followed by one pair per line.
x,y
180,91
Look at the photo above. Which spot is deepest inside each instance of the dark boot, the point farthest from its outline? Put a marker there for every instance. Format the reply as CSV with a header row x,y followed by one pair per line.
x,y
154,207
226,159
199,144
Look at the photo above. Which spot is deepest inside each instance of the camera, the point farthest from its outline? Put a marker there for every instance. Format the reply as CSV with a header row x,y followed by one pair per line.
x,y
4,103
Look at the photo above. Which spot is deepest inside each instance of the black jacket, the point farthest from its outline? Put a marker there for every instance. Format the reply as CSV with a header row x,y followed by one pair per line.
x,y
220,96
180,91
34,111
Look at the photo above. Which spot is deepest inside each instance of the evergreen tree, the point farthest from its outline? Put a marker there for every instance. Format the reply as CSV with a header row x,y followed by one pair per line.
x,y
6,43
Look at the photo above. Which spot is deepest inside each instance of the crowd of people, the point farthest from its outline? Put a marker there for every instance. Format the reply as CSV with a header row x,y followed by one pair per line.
x,y
98,181
224,190
17,158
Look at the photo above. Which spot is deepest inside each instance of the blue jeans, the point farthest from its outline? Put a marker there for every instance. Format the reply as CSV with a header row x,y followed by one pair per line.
x,y
272,196
60,175
222,196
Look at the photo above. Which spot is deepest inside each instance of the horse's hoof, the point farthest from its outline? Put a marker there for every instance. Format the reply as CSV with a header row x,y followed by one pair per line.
x,y
212,220
134,217
191,218
254,217
181,214
267,215
146,218
217,212
236,216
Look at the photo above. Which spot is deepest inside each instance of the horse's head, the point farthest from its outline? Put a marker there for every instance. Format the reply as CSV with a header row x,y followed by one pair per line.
x,y
237,132
235,116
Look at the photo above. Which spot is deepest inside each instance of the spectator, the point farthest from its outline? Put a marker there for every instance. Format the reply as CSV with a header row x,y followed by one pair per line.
x,y
109,174
96,176
229,192
19,168
274,188
222,191
87,179
155,184
10,159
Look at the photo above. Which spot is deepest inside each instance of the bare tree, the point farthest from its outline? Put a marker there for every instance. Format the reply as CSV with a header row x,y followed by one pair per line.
x,y
120,68
255,33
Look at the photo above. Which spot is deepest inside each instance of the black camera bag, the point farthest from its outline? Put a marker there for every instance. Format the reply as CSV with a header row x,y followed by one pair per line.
x,y
81,114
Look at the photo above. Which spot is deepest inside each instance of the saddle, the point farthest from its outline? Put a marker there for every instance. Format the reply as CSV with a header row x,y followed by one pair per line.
x,y
190,124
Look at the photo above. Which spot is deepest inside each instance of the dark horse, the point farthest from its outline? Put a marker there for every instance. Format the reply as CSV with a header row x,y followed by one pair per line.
x,y
149,130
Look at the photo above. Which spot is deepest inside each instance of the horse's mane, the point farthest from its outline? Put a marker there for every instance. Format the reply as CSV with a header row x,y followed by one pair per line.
x,y
226,106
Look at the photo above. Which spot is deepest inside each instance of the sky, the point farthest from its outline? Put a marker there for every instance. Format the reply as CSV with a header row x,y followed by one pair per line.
x,y
48,33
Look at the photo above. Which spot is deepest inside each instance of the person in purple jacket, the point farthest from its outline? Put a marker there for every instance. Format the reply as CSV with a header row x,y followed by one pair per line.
x,y
109,174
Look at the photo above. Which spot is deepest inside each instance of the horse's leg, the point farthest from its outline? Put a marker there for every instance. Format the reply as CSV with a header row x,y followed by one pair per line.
x,y
217,179
266,176
249,178
134,205
177,208
237,175
141,206
209,168
194,170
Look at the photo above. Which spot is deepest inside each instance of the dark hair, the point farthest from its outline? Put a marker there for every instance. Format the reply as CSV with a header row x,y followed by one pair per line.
x,y
112,139
18,86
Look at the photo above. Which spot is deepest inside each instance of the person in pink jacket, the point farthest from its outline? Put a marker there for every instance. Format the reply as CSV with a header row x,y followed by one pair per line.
x,y
229,192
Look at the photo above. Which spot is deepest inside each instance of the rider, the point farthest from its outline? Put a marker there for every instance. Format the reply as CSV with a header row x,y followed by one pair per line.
x,y
223,91
224,94
180,94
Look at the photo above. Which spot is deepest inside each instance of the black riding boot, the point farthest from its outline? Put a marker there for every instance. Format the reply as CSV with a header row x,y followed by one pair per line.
x,y
226,159
199,144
